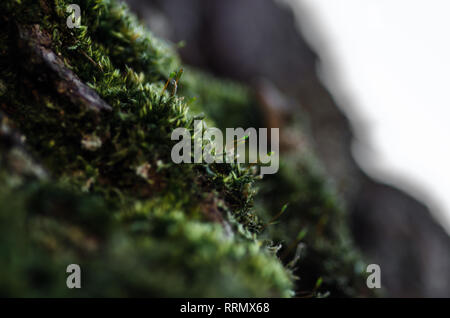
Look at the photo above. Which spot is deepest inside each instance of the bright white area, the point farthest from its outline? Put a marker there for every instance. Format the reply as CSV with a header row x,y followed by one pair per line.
x,y
387,63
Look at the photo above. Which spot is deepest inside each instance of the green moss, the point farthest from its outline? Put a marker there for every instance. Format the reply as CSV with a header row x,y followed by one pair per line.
x,y
100,154
150,249
225,103
136,132
115,203
313,229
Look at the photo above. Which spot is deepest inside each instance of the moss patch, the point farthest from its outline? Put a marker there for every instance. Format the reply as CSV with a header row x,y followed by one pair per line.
x,y
92,108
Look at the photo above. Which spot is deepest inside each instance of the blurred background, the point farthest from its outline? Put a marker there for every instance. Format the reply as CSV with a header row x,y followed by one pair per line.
x,y
386,63
371,77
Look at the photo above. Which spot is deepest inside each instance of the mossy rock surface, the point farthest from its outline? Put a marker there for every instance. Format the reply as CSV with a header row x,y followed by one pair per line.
x,y
91,116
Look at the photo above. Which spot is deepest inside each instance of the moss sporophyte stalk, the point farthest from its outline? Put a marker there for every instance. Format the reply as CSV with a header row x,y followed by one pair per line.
x,y
87,177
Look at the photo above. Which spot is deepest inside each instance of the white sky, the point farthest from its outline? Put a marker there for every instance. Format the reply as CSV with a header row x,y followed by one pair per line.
x,y
387,62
